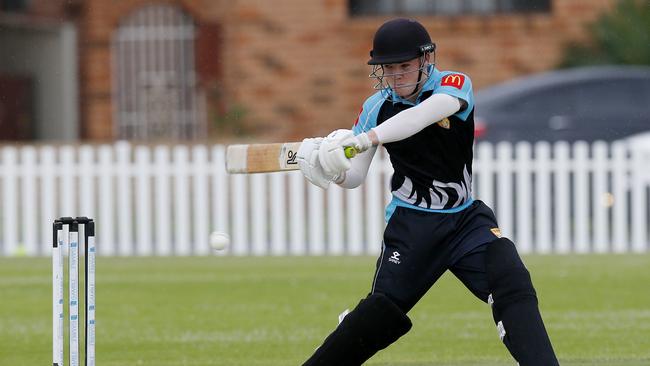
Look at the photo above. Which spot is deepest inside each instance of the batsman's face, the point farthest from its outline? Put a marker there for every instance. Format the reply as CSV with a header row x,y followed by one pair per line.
x,y
402,77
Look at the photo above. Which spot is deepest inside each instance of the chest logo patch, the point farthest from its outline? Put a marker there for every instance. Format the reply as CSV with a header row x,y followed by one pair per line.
x,y
455,80
444,123
496,231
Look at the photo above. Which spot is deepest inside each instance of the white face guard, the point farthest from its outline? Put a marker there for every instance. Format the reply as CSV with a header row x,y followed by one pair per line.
x,y
382,85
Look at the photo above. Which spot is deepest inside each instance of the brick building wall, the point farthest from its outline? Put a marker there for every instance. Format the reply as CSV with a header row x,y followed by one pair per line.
x,y
298,68
303,64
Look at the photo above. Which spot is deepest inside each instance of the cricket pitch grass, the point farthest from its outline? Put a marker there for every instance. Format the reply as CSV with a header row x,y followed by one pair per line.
x,y
276,311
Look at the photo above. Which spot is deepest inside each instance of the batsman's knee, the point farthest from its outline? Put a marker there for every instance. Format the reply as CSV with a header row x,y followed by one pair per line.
x,y
383,321
508,279
514,306
372,326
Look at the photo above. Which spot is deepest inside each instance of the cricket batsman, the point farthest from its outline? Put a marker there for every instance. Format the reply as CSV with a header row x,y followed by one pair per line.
x,y
424,118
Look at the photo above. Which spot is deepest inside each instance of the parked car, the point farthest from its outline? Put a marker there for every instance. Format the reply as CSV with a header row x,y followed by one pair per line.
x,y
591,103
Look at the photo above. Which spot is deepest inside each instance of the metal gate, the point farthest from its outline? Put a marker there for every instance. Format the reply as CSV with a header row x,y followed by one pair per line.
x,y
154,79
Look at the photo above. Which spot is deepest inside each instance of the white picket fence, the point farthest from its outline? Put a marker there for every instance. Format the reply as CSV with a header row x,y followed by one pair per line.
x,y
165,200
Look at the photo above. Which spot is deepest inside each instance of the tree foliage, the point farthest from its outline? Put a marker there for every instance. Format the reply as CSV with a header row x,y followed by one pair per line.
x,y
619,37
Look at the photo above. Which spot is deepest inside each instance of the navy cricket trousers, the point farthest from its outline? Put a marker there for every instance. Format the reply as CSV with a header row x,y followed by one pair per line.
x,y
420,246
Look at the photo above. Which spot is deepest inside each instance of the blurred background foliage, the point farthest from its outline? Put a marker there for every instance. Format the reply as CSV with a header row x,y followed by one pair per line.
x,y
619,37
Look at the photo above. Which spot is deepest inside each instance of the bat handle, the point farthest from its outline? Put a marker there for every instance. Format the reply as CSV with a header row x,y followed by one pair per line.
x,y
350,152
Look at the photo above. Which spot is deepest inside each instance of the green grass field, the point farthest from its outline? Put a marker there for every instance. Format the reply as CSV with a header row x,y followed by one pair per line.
x,y
276,311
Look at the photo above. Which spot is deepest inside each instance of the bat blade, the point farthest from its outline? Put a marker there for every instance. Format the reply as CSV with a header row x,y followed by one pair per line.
x,y
262,158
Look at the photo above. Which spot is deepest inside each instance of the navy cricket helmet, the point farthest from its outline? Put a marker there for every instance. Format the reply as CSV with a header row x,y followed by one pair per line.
x,y
400,40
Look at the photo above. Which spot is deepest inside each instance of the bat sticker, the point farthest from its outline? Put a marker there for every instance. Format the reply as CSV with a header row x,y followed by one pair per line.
x,y
291,157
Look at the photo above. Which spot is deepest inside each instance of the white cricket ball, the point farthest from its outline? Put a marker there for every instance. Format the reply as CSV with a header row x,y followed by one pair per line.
x,y
219,240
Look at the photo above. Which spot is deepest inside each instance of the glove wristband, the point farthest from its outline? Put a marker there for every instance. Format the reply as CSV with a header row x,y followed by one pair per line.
x,y
364,142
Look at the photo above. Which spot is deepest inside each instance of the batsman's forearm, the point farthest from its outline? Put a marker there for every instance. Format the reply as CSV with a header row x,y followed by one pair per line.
x,y
354,176
373,137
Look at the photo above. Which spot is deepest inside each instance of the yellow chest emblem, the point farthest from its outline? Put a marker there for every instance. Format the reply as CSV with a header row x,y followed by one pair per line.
x,y
496,231
444,123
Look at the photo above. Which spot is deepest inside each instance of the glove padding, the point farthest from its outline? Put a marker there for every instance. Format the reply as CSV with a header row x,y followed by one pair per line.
x,y
331,153
309,164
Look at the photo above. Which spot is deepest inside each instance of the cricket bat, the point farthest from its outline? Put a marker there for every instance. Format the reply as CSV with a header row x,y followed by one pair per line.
x,y
265,158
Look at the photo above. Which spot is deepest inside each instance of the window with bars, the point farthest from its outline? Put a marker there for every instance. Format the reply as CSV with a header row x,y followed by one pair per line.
x,y
445,7
154,87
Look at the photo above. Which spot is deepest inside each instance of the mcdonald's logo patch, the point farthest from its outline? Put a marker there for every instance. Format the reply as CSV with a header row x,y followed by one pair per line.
x,y
455,80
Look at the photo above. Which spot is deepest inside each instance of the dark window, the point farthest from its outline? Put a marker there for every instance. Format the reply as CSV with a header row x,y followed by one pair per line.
x,y
13,5
445,7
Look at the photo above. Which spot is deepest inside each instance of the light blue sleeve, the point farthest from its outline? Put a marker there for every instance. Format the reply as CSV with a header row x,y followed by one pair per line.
x,y
458,85
367,118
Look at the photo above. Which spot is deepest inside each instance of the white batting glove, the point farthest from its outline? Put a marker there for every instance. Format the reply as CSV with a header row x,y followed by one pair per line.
x,y
332,151
346,138
309,164
362,142
331,155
